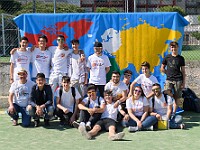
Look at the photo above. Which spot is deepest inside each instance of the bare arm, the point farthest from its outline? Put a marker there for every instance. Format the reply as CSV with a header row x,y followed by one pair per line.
x,y
11,72
11,108
131,88
169,111
162,68
145,114
107,69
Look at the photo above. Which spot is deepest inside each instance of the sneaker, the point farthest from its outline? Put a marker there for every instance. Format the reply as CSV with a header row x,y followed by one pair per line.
x,y
75,124
179,110
182,126
132,129
15,122
46,122
88,126
149,128
36,122
83,132
117,136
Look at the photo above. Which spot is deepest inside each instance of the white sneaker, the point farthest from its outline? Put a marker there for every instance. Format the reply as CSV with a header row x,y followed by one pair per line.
x,y
88,126
132,129
83,132
117,136
150,128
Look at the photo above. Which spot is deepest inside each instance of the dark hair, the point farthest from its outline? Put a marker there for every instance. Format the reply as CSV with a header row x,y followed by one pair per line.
x,y
116,72
173,43
43,37
145,64
156,84
98,44
128,71
66,79
61,36
91,87
24,38
109,92
75,41
40,75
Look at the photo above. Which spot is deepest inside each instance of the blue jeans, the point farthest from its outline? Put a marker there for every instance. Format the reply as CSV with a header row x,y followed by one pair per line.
x,y
175,122
26,119
149,121
48,112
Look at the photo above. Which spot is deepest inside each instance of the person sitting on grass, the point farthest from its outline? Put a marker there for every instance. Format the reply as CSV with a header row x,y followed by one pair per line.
x,y
41,101
19,97
138,106
91,108
161,107
107,121
67,102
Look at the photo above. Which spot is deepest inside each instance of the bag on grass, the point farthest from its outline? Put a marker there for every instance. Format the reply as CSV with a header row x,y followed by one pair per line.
x,y
163,124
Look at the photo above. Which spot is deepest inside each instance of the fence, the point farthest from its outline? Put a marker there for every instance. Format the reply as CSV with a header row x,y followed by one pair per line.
x,y
9,34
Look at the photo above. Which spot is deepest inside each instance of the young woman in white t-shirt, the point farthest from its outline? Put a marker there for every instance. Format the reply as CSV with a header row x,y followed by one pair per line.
x,y
137,106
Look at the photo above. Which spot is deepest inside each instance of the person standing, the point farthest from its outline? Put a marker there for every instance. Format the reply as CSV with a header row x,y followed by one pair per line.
x,y
98,65
173,65
19,97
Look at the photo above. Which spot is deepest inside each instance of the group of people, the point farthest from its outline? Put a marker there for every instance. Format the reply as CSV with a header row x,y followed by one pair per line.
x,y
62,74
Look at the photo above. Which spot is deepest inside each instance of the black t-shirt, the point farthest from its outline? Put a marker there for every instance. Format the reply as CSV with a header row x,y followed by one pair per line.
x,y
174,65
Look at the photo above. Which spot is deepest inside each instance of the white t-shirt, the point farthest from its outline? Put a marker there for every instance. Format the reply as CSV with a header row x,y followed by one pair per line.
x,y
97,65
59,59
160,105
146,83
21,59
95,102
21,92
137,106
111,112
116,90
41,61
67,99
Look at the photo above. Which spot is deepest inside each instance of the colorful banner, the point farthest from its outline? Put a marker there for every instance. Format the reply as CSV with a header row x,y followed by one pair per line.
x,y
128,38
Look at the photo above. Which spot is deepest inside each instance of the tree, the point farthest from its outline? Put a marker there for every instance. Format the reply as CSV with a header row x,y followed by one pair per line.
x,y
10,7
106,9
173,9
49,8
197,33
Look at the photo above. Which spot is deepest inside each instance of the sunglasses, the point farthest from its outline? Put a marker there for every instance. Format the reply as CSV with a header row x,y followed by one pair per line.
x,y
92,92
60,40
156,89
22,74
138,91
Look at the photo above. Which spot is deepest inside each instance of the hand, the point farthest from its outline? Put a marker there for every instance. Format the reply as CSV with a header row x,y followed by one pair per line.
x,y
126,117
82,58
66,48
65,110
91,111
11,109
183,85
72,119
11,80
139,124
39,111
13,51
158,116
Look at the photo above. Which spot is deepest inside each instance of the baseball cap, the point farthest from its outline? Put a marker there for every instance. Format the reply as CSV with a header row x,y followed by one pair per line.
x,y
22,71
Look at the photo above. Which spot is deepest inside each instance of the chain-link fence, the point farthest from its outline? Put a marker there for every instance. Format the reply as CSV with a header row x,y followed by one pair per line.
x,y
9,35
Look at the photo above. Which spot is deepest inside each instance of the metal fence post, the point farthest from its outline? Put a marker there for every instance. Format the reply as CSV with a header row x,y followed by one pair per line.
x,y
54,8
135,5
3,34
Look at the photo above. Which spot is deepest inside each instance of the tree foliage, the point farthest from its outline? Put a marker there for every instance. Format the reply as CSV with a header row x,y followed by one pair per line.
x,y
197,33
173,9
106,9
10,7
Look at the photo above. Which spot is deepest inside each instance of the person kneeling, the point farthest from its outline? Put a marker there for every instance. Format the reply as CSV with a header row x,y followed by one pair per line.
x,y
161,107
41,101
107,121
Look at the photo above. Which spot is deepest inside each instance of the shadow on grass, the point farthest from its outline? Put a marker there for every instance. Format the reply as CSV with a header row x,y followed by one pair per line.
x,y
191,119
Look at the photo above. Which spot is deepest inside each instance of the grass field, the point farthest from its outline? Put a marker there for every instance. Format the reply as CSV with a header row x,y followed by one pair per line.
x,y
58,138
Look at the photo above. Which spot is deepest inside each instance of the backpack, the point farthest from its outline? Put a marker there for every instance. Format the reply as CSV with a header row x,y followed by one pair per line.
x,y
191,101
153,99
73,94
88,103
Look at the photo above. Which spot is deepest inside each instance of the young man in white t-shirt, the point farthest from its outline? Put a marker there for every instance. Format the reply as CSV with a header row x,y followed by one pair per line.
x,y
59,63
91,108
161,108
67,102
41,59
98,65
77,68
20,58
19,97
145,79
107,121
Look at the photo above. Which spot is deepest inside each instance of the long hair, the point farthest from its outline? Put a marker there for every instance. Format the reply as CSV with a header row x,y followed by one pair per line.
x,y
142,93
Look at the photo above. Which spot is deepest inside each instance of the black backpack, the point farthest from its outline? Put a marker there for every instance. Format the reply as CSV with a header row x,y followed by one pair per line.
x,y
73,94
153,99
88,103
191,101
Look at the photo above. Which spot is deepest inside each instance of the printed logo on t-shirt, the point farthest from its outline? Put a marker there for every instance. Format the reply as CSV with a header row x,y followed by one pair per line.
x,y
23,59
